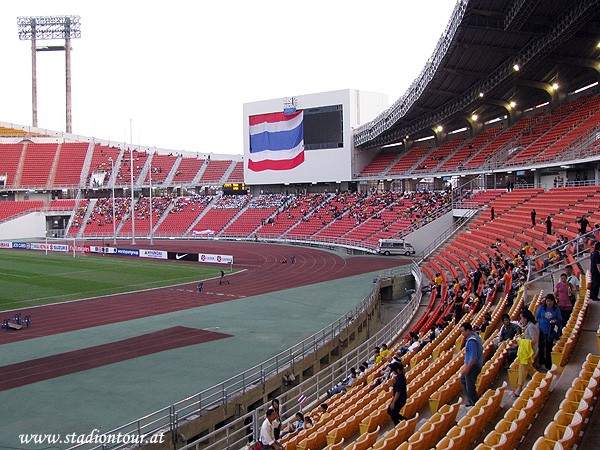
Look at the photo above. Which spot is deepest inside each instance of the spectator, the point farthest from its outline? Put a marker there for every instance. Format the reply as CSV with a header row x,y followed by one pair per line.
x,y
573,280
473,362
399,393
595,270
345,384
321,413
267,435
528,349
563,292
276,428
550,322
548,223
508,330
533,214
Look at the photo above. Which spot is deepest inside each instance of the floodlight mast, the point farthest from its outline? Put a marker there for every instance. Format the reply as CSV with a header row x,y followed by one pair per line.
x,y
50,27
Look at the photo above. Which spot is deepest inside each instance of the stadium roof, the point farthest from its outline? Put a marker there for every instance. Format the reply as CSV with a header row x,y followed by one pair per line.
x,y
473,68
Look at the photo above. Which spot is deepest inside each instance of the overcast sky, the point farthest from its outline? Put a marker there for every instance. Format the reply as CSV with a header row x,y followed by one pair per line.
x,y
182,70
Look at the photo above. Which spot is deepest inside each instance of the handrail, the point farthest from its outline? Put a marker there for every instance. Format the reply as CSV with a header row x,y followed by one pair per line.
x,y
451,230
225,392
534,275
235,433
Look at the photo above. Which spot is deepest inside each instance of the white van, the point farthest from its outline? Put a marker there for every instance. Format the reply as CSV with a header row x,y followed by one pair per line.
x,y
395,247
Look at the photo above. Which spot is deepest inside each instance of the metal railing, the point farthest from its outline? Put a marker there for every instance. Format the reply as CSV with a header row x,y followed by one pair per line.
x,y
449,232
223,394
236,435
548,267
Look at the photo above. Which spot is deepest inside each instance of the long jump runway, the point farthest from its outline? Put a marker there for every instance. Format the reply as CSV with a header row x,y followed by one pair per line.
x,y
40,369
264,273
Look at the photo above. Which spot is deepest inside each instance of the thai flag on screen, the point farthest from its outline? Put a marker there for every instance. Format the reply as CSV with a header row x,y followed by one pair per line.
x,y
302,399
276,141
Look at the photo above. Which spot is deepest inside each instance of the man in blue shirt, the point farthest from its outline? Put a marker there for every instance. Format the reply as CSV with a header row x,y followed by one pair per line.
x,y
473,362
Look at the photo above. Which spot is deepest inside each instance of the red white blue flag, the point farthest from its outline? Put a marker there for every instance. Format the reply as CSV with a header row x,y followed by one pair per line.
x,y
276,141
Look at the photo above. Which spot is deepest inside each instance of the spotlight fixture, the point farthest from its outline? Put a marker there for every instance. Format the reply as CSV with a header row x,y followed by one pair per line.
x,y
555,86
516,68
512,104
481,94
474,117
439,128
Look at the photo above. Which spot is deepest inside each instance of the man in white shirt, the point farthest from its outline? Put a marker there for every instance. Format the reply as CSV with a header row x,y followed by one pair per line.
x,y
571,278
267,437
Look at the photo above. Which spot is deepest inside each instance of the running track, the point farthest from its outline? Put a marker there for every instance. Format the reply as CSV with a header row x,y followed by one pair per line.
x,y
264,274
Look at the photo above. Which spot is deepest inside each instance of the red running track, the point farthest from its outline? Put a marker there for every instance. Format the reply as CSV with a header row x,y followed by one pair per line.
x,y
264,274
41,369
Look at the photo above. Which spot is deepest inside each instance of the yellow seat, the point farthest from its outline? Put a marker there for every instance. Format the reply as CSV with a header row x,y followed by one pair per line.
x,y
365,441
406,428
417,441
470,427
337,446
495,440
543,444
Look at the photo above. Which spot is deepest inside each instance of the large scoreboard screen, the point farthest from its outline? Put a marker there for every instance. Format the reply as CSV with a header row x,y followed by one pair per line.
x,y
234,189
323,127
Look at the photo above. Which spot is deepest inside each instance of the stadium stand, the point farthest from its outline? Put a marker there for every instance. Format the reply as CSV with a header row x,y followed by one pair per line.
x,y
142,215
465,152
10,209
379,164
70,163
237,174
187,170
39,160
256,213
409,159
180,217
161,167
215,170
102,163
10,159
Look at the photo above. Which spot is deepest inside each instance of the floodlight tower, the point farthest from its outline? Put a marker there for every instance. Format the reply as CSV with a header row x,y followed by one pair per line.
x,y
50,27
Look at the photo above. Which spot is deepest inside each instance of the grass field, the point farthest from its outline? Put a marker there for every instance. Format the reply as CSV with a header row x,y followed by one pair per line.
x,y
32,278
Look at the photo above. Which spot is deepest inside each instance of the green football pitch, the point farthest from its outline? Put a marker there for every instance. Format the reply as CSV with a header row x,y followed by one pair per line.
x,y
34,278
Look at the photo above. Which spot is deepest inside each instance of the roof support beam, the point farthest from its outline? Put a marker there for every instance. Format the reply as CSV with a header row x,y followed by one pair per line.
x,y
444,93
489,48
517,13
466,73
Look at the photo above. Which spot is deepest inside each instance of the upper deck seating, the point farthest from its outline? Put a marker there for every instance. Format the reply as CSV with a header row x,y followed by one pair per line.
x,y
10,155
187,170
70,163
103,160
215,170
161,165
379,163
409,159
39,159
458,159
237,175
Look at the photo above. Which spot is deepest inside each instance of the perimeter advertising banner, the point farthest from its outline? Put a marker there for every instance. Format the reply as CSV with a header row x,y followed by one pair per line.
x,y
156,254
180,256
218,259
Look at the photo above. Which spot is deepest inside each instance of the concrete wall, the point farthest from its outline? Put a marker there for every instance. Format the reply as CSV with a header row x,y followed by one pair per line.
x,y
424,236
32,225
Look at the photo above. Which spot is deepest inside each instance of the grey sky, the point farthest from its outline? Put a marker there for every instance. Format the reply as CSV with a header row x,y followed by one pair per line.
x,y
182,70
